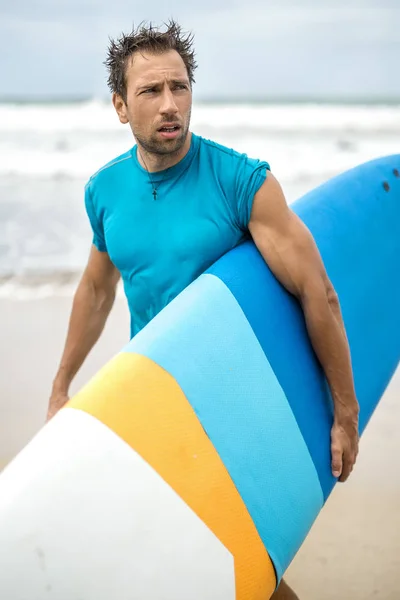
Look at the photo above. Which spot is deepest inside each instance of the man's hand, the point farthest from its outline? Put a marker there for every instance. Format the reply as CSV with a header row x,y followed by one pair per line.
x,y
57,401
344,445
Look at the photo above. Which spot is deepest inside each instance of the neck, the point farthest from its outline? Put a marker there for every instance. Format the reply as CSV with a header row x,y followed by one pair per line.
x,y
158,162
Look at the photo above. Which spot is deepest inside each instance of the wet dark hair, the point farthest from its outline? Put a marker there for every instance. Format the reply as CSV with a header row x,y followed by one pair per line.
x,y
146,38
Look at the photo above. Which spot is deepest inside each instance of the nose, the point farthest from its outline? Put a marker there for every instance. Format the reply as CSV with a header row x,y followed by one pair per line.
x,y
168,106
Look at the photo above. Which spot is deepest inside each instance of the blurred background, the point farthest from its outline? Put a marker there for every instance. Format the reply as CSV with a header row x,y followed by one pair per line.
x,y
311,86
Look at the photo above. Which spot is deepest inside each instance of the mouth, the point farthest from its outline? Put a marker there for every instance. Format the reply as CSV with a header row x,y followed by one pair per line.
x,y
169,131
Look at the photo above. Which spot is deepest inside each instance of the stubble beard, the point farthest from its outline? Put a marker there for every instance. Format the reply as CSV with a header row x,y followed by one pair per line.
x,y
163,148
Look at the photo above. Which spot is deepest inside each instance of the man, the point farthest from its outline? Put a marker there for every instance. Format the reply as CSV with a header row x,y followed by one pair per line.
x,y
171,206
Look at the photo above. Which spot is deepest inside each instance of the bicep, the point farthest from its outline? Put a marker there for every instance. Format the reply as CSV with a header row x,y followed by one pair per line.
x,y
285,242
100,270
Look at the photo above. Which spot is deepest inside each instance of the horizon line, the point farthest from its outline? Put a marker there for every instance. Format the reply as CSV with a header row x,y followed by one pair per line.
x,y
232,99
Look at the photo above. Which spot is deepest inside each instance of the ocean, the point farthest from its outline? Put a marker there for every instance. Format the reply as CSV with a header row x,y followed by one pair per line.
x,y
49,150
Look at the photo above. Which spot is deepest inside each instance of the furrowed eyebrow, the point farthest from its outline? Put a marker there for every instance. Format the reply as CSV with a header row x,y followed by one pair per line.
x,y
179,81
155,84
151,84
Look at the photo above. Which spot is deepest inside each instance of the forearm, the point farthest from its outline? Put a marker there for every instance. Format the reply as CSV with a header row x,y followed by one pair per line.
x,y
90,310
328,337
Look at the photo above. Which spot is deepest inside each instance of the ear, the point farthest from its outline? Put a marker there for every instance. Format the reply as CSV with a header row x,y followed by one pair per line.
x,y
121,108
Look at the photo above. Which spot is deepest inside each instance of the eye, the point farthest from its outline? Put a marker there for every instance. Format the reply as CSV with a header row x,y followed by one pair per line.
x,y
149,91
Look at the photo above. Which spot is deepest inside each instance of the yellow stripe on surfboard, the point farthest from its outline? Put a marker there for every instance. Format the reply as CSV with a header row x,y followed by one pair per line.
x,y
144,405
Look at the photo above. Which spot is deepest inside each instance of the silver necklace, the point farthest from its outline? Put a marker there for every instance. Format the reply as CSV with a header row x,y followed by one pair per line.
x,y
154,192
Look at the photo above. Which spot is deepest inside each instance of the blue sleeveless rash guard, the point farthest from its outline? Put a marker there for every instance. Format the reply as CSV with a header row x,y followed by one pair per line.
x,y
201,211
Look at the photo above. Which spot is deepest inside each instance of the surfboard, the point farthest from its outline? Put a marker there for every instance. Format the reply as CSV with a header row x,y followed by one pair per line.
x,y
194,464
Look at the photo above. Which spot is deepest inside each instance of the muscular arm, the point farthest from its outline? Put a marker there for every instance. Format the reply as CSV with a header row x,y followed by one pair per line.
x,y
292,255
91,306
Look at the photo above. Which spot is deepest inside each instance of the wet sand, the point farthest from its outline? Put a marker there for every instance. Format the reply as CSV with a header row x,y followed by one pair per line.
x,y
353,549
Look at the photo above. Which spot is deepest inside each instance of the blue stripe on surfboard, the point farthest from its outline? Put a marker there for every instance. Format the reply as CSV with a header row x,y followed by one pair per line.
x,y
285,342
205,342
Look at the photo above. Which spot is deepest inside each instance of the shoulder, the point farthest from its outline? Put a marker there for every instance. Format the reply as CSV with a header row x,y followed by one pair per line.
x,y
239,177
236,172
109,169
226,154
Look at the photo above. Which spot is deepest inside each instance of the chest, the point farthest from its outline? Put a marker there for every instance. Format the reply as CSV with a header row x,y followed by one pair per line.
x,y
176,229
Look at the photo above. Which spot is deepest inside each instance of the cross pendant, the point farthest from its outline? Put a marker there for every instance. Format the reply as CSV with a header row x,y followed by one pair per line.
x,y
155,194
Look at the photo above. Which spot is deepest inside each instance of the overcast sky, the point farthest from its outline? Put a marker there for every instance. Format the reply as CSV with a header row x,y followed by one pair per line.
x,y
253,48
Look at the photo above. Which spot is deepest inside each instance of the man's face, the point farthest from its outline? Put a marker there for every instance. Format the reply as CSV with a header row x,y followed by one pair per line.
x,y
159,101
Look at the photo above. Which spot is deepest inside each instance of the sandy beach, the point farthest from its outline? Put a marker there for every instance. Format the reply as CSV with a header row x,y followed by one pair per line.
x,y
353,550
